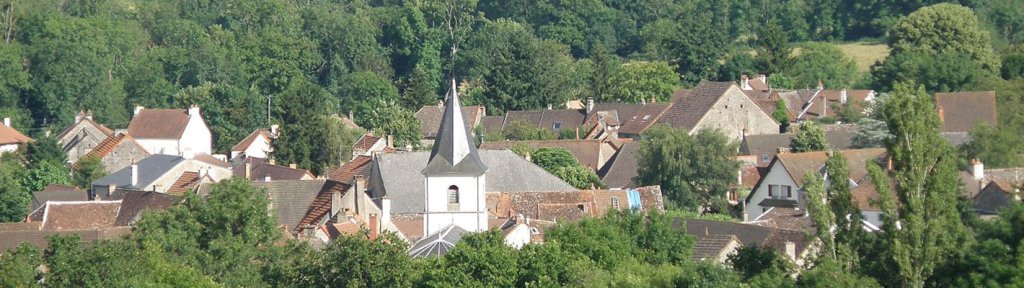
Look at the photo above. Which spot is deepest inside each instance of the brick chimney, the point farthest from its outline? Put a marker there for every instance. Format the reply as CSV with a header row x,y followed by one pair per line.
x,y
763,78
374,226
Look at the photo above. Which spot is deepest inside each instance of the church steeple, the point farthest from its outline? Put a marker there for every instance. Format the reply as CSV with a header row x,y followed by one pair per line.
x,y
454,152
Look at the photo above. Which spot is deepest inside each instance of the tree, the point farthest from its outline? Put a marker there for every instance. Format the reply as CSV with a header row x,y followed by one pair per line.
x,y
872,133
14,198
641,81
781,115
389,118
944,29
519,130
1013,66
926,188
381,262
774,53
302,114
45,149
45,173
822,62
754,260
828,273
477,260
565,166
997,148
809,137
938,73
692,170
87,170
361,92
18,266
821,214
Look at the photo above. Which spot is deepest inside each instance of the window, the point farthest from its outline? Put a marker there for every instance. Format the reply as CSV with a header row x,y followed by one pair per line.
x,y
453,194
780,191
615,203
556,125
764,158
789,191
773,191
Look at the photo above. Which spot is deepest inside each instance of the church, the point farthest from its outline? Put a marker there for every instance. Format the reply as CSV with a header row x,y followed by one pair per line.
x,y
432,199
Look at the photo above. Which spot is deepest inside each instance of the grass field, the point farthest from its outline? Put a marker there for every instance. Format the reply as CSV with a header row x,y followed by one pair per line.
x,y
864,53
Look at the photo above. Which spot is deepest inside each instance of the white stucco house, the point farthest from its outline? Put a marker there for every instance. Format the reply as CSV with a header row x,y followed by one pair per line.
x,y
257,144
782,185
181,132
10,139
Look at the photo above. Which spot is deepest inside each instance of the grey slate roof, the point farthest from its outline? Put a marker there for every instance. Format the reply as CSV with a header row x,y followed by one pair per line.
x,y
438,243
150,169
623,167
291,198
55,192
401,180
133,203
453,139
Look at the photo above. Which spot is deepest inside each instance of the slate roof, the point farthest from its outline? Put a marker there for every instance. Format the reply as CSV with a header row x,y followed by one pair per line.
x,y
430,118
150,170
439,243
995,195
8,135
159,123
633,118
962,111
711,246
245,143
454,151
690,106
400,177
291,199
783,203
956,138
747,234
133,203
587,151
622,168
79,215
55,192
261,168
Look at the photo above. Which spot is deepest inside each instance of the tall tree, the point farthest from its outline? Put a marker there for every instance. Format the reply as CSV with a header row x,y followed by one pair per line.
x,y
640,81
809,137
822,62
693,171
774,53
941,29
87,170
927,187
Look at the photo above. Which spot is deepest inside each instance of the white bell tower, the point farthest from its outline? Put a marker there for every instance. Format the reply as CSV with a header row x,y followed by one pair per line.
x,y
454,179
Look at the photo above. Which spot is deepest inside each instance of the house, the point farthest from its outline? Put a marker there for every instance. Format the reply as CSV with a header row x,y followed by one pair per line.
x,y
795,245
82,136
781,186
592,153
810,104
257,144
715,248
292,201
368,144
260,169
979,178
996,195
758,83
622,167
552,120
180,132
430,120
117,152
57,193
718,105
163,173
764,147
359,166
962,111
10,139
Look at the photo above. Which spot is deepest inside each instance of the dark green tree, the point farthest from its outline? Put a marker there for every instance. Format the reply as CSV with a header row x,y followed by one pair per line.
x,y
753,260
774,52
693,171
809,137
822,62
87,170
478,260
18,266
382,262
519,130
997,148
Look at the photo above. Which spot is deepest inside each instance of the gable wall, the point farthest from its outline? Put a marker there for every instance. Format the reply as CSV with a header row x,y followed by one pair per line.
x,y
122,156
777,175
197,138
734,112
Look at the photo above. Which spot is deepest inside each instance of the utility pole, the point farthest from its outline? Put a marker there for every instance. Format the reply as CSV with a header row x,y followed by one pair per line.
x,y
269,97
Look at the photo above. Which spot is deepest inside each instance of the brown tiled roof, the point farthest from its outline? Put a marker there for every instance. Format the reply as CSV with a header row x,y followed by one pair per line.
x,y
209,159
187,181
622,167
348,171
568,205
798,100
430,118
748,234
567,119
787,218
690,106
9,135
492,124
962,111
799,163
54,192
587,152
80,215
410,225
321,205
712,246
365,142
840,137
12,238
133,203
343,227
159,123
291,199
261,168
241,146
633,118
766,101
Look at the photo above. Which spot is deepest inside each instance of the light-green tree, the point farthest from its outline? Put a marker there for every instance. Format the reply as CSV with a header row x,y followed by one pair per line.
x,y
809,137
926,185
693,171
822,62
381,262
563,164
88,169
638,81
944,29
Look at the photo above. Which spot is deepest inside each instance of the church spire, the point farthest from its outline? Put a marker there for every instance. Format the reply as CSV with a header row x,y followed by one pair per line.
x,y
454,151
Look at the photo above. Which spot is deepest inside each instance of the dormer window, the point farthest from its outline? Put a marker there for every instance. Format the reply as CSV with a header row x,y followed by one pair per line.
x,y
556,125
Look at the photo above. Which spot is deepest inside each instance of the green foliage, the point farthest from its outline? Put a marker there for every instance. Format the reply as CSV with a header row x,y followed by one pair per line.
x,y
301,138
14,198
822,62
367,263
478,260
552,159
830,274
752,261
997,148
388,118
230,112
809,137
45,173
639,81
872,133
18,266
692,170
45,149
87,170
780,115
1013,66
944,29
564,165
821,214
579,176
938,73
774,51
520,130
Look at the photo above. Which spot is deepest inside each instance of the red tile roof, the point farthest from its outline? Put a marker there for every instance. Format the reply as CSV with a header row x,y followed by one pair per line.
x,y
961,111
348,171
108,145
690,106
587,152
8,135
187,181
366,142
245,143
80,215
321,205
159,123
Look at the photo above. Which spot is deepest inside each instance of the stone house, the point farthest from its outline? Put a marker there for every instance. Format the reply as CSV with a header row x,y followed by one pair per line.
x,y
82,136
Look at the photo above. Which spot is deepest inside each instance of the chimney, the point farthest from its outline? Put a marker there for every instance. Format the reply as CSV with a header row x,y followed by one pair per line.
x,y
248,170
643,101
842,96
391,141
7,122
80,116
193,110
373,226
359,185
88,114
821,85
888,164
138,109
528,157
791,250
273,130
293,166
549,106
440,103
351,116
590,104
824,105
134,171
763,78
385,211
266,178
744,82
577,133
654,99
977,169
783,150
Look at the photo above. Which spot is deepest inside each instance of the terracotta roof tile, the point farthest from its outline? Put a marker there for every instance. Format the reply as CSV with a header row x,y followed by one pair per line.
x,y
80,215
430,118
159,123
260,168
186,182
8,135
320,207
365,142
348,171
962,111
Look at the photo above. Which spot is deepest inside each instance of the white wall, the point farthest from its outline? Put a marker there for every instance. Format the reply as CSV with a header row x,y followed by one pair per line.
x,y
518,237
471,213
734,112
259,148
873,217
197,138
777,175
159,146
8,148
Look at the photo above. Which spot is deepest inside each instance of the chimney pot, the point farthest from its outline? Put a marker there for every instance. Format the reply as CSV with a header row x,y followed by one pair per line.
x,y
590,104
745,82
977,169
374,226
138,108
273,130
